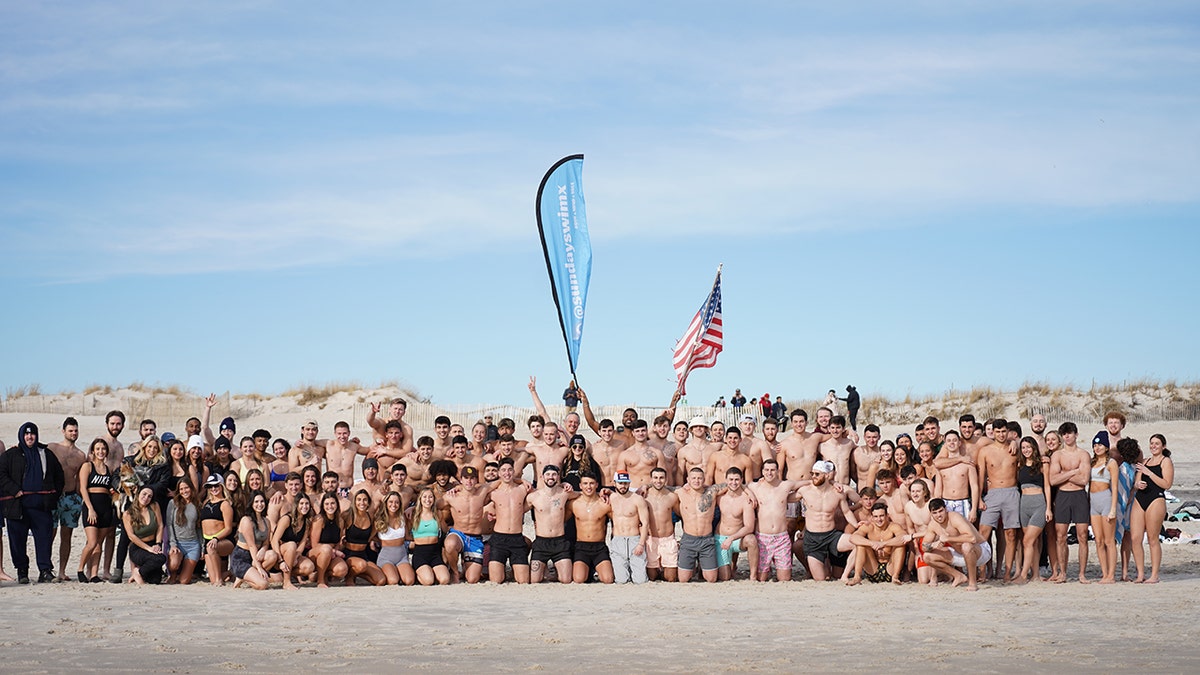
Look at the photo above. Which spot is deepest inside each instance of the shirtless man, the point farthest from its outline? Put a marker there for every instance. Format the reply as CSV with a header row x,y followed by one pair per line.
x,y
306,451
70,504
1114,424
966,432
695,452
459,446
146,429
755,448
605,450
549,503
958,480
418,463
824,417
1037,429
774,540
950,541
998,475
880,546
662,549
391,447
728,456
866,457
372,483
466,502
885,485
114,424
932,429
507,542
591,526
735,529
396,409
340,453
546,453
838,449
917,512
561,434
399,484
628,417
640,458
798,452
283,502
825,545
659,440
695,509
506,448
441,436
1070,470
630,530
717,431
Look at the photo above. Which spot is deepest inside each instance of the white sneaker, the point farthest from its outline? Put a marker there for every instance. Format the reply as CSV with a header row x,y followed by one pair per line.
x,y
1171,499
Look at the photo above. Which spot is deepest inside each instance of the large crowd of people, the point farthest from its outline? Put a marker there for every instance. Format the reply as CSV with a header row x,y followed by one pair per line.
x,y
960,506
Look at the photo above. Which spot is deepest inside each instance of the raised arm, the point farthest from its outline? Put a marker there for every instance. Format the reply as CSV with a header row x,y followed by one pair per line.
x,y
373,420
537,400
206,419
588,416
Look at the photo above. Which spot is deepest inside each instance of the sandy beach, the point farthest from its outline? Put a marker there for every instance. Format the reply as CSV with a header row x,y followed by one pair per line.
x,y
739,625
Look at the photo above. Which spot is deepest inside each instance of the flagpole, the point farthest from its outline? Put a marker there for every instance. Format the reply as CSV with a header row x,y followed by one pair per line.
x,y
699,335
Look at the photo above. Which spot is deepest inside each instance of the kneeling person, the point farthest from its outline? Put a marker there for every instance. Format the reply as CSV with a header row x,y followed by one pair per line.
x,y
591,525
630,530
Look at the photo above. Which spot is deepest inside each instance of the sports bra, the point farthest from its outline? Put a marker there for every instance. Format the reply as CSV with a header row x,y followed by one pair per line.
x,y
149,528
331,533
1027,476
260,536
358,535
393,533
1100,474
99,480
212,511
426,528
291,535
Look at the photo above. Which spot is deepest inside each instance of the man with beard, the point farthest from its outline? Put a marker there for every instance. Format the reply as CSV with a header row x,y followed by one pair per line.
x,y
70,505
825,546
551,545
630,530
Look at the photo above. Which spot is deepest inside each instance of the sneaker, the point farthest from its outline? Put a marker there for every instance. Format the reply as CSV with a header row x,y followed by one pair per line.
x,y
46,577
116,577
1171,499
22,576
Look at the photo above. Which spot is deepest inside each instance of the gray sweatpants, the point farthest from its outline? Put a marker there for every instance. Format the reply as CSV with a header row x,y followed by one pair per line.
x,y
625,564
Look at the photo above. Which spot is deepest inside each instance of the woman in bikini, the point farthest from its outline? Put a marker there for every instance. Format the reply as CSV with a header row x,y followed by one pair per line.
x,y
1154,477
277,471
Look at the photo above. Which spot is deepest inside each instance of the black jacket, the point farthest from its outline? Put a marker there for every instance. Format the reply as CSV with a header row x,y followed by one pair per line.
x,y
12,475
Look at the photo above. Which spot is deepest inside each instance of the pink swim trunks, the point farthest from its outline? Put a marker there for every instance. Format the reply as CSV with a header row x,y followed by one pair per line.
x,y
774,549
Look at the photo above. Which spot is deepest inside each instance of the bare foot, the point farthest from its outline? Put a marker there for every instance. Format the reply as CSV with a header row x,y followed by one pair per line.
x,y
1108,580
323,584
1152,580
289,586
853,581
4,576
972,587
237,583
958,580
1021,580
1059,580
1084,580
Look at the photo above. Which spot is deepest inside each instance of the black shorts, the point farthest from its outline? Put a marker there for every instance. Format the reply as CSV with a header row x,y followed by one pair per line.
x,y
551,549
1072,507
103,505
592,553
824,547
368,555
427,555
509,549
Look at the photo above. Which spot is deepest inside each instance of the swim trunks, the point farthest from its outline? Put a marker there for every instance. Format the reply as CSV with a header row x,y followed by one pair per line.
x,y
725,556
919,542
693,549
591,553
69,508
960,506
472,546
824,547
509,548
627,566
1072,506
662,552
551,549
985,554
774,549
879,576
1003,504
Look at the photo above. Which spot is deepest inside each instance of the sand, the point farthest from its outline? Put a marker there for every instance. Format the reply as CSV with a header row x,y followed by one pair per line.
x,y
775,627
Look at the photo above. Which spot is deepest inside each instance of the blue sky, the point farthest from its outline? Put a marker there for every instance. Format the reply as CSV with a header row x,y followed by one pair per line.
x,y
255,195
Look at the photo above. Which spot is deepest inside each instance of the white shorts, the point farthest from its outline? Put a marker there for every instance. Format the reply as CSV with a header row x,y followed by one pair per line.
x,y
985,554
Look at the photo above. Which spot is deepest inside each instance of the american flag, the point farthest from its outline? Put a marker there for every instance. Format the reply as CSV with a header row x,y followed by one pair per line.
x,y
699,346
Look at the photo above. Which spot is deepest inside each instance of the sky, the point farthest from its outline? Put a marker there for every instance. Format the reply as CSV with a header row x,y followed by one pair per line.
x,y
907,197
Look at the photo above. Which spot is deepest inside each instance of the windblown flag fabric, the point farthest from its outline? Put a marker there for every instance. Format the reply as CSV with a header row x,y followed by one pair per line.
x,y
562,224
704,339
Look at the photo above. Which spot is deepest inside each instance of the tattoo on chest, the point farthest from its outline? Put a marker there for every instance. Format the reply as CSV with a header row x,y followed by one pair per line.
x,y
648,455
706,501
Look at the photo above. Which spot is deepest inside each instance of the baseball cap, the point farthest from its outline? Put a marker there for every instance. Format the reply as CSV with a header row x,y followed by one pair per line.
x,y
746,418
470,472
621,477
578,439
167,437
214,480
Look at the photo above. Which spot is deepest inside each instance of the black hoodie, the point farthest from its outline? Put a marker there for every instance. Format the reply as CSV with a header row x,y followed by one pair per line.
x,y
12,474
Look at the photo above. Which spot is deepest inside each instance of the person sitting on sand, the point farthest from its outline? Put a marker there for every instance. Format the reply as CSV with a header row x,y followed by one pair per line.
x,y
951,542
